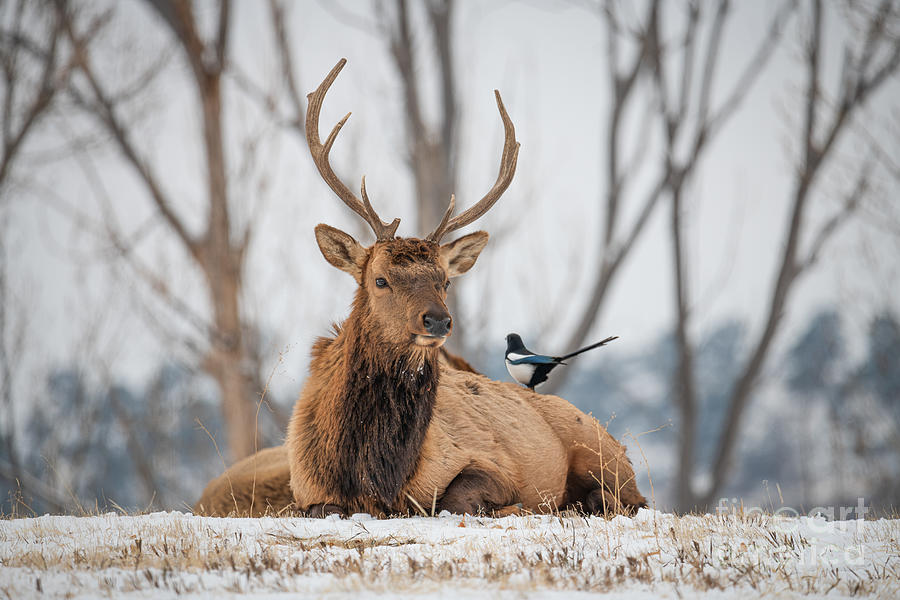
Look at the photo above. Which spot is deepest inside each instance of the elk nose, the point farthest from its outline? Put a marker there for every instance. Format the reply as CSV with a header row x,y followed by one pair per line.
x,y
436,324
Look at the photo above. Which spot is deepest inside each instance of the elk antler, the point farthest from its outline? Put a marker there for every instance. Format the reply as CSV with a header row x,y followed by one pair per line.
x,y
383,231
504,178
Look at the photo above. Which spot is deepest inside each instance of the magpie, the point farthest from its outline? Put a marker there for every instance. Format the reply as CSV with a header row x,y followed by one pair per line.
x,y
531,369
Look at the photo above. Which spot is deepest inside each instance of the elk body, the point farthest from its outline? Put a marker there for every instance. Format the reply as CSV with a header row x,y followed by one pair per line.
x,y
387,424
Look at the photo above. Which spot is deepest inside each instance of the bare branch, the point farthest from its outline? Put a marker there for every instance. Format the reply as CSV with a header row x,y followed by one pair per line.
x,y
687,60
873,33
109,118
222,37
851,203
123,251
811,153
788,270
12,43
684,386
713,51
440,13
622,84
285,56
401,45
178,15
9,357
47,87
754,68
853,95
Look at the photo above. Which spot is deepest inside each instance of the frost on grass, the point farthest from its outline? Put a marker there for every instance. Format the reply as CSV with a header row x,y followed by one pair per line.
x,y
169,554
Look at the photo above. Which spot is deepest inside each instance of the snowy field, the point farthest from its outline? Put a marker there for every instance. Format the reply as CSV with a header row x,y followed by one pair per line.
x,y
653,555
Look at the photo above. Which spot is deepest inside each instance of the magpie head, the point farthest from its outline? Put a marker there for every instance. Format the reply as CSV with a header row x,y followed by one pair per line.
x,y
513,343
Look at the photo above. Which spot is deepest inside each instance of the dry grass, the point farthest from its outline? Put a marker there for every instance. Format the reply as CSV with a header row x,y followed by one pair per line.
x,y
172,554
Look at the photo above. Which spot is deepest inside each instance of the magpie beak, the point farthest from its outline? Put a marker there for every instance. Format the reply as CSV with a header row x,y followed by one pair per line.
x,y
532,369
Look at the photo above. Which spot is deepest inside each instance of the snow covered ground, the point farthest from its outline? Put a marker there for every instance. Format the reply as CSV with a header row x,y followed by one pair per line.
x,y
653,555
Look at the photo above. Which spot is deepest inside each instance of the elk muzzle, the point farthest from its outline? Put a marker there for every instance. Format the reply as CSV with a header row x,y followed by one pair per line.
x,y
437,324
432,325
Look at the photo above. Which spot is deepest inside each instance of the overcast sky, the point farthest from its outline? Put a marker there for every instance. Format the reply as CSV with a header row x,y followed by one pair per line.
x,y
548,61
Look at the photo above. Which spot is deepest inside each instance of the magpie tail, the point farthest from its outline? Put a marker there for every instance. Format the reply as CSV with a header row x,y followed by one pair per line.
x,y
591,347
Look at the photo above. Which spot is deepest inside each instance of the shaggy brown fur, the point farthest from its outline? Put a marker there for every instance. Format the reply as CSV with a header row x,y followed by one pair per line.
x,y
260,485
365,433
256,486
381,428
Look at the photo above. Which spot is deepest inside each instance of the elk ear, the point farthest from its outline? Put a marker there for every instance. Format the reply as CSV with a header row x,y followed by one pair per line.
x,y
459,255
342,251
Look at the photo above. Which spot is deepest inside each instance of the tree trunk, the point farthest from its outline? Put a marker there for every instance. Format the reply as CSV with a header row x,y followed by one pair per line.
x,y
229,361
230,365
684,389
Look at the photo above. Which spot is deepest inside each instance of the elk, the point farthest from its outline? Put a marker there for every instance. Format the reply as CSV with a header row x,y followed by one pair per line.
x,y
386,424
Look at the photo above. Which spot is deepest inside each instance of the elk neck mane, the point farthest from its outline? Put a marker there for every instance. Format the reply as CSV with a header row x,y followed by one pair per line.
x,y
366,424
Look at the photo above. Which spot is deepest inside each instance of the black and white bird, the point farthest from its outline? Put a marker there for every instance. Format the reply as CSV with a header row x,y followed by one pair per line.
x,y
532,369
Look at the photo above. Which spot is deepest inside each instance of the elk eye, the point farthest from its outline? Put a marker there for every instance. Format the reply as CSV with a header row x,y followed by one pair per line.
x,y
446,285
381,282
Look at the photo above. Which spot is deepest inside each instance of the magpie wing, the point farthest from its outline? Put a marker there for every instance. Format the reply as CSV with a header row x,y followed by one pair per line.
x,y
541,372
531,359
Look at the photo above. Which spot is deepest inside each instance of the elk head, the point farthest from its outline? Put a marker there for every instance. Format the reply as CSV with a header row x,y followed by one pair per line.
x,y
402,281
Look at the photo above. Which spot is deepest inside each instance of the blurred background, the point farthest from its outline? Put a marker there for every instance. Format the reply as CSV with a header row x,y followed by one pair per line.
x,y
715,182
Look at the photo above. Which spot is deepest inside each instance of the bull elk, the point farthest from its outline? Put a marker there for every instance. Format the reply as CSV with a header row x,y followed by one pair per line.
x,y
386,425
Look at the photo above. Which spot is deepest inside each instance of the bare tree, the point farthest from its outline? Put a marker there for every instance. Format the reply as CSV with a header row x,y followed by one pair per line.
x,y
12,340
218,251
645,52
431,148
35,67
827,118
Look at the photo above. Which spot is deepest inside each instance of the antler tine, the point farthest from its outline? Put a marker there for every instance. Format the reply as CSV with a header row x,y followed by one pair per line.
x,y
442,226
319,152
384,231
507,170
